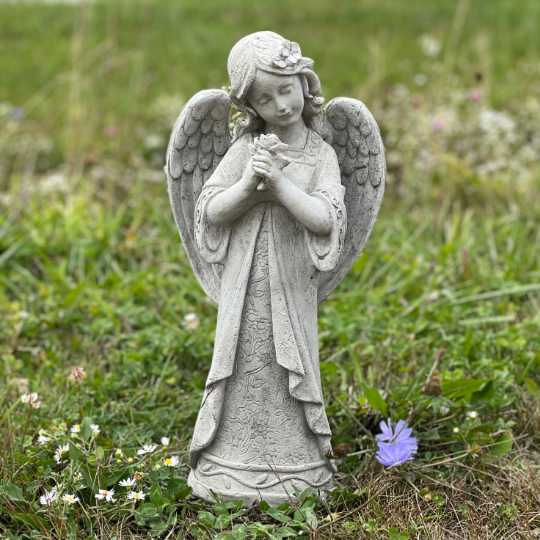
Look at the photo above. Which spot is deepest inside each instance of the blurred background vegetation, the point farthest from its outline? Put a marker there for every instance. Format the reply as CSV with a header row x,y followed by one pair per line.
x,y
448,288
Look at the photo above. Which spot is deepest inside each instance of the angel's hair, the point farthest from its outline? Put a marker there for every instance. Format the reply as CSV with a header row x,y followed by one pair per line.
x,y
312,112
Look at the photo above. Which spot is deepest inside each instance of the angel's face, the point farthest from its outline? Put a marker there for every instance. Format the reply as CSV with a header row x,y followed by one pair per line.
x,y
278,99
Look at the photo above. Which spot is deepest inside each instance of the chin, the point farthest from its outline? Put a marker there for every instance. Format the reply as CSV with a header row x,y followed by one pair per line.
x,y
289,121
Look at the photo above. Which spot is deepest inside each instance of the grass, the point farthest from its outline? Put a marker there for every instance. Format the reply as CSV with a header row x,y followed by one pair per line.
x,y
436,323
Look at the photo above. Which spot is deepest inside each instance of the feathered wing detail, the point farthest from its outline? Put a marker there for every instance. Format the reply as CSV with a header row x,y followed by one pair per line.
x,y
199,140
356,139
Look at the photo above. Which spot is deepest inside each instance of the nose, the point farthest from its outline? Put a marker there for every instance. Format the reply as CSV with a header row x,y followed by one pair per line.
x,y
281,106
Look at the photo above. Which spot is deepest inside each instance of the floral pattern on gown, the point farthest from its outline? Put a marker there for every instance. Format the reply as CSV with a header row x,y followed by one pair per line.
x,y
259,411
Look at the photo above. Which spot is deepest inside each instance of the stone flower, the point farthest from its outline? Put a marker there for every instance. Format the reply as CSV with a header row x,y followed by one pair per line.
x,y
272,144
288,56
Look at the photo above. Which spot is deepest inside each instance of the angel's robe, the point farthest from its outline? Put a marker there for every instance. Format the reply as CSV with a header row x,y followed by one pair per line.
x,y
269,249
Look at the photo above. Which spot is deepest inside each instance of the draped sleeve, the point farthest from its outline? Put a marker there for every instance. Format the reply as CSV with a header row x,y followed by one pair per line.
x,y
212,241
325,250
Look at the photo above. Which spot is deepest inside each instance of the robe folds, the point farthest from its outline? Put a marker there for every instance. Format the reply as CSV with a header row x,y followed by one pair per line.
x,y
294,257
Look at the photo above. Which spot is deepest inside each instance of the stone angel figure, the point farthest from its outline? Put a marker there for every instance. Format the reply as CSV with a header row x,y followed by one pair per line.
x,y
272,217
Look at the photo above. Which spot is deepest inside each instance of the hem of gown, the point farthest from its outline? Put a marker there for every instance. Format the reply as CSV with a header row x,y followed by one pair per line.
x,y
273,485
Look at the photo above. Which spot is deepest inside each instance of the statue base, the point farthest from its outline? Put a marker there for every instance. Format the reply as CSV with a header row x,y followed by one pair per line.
x,y
253,483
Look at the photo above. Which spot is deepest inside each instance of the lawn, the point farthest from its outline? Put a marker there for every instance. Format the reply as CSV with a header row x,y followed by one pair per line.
x,y
437,323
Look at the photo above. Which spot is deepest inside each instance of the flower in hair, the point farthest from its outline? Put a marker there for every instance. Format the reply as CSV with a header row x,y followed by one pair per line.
x,y
287,56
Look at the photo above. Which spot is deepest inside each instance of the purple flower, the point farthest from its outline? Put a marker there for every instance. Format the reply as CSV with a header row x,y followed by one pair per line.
x,y
396,445
399,433
394,454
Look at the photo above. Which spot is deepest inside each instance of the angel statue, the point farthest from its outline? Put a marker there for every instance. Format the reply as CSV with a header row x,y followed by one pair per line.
x,y
272,217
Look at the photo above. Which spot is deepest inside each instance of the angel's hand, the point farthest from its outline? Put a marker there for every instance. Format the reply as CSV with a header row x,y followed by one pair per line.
x,y
250,178
265,165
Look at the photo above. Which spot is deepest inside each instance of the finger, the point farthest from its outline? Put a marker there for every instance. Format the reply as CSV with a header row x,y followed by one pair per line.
x,y
261,160
261,163
262,152
261,171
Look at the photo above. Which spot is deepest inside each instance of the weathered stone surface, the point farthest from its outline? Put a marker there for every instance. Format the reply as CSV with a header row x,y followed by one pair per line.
x,y
271,225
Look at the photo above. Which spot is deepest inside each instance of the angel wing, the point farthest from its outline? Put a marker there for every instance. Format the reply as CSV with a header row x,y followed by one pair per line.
x,y
198,142
356,139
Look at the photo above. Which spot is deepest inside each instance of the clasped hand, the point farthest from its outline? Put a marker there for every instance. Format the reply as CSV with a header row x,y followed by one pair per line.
x,y
264,165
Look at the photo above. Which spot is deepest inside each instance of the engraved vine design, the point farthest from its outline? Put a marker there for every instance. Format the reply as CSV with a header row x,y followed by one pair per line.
x,y
259,412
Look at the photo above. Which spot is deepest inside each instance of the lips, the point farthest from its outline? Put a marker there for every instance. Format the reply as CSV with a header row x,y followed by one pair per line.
x,y
285,115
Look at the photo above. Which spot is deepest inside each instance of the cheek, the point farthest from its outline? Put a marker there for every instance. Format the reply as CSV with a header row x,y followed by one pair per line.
x,y
297,100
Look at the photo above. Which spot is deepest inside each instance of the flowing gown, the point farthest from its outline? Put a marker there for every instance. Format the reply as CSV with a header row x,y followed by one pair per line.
x,y
262,428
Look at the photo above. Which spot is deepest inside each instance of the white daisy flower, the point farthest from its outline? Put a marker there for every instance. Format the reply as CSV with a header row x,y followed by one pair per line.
x,y
76,428
42,439
57,488
59,453
70,499
472,414
173,461
456,430
95,429
107,494
137,495
146,449
48,498
130,482
165,441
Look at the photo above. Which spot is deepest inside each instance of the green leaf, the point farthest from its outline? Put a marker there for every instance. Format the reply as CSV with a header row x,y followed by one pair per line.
x,y
221,509
394,534
156,495
239,532
222,522
311,518
206,518
175,485
183,493
148,510
375,399
173,518
34,521
532,387
343,494
263,505
486,393
285,532
277,515
350,526
86,430
462,388
502,446
91,477
298,517
75,454
13,493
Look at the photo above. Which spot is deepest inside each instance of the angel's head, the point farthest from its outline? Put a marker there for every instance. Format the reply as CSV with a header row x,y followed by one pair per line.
x,y
271,82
